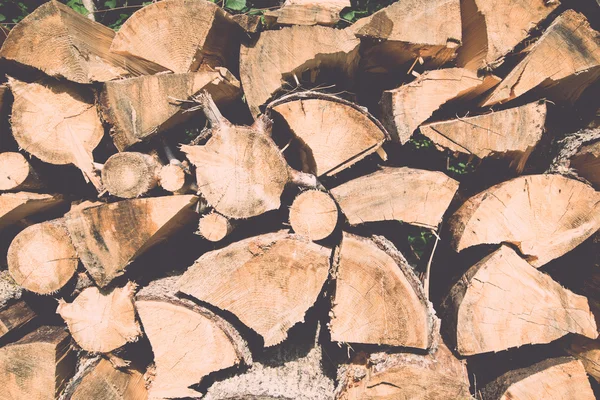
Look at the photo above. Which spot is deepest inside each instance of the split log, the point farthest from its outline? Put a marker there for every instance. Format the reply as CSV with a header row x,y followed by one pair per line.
x,y
64,44
439,375
281,54
401,194
511,133
313,214
214,227
109,237
180,35
334,133
17,174
408,106
503,302
378,298
57,122
578,156
16,206
15,317
100,322
139,108
42,258
491,28
307,12
268,281
563,75
563,376
249,23
130,174
38,366
545,216
587,351
197,343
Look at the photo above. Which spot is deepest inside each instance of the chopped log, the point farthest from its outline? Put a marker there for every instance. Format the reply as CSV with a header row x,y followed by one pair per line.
x,y
578,156
57,122
16,206
564,376
308,12
109,237
409,30
568,52
511,133
42,258
249,23
438,375
64,44
38,366
313,214
9,290
587,351
214,227
408,106
503,302
491,29
140,108
279,55
172,178
197,343
334,133
180,35
15,317
130,174
401,194
545,216
268,281
101,322
378,298
17,174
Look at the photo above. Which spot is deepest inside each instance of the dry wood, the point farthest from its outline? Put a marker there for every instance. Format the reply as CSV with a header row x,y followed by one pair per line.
x,y
249,23
38,366
172,178
545,216
15,317
378,298
413,196
568,52
16,206
307,12
279,55
503,302
587,351
63,43
268,281
42,258
101,322
560,378
180,35
130,174
214,227
313,214
334,133
17,174
578,156
109,237
408,106
9,290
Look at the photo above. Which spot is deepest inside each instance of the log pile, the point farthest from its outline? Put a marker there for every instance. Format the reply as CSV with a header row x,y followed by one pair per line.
x,y
218,206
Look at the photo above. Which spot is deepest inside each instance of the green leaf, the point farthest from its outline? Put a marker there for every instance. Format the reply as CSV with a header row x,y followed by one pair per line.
x,y
235,5
2,18
348,15
255,11
110,3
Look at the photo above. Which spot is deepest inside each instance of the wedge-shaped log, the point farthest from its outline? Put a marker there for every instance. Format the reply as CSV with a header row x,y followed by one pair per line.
x,y
278,273
378,298
38,366
563,376
15,317
334,133
544,215
308,12
64,44
408,106
17,174
313,214
130,174
503,302
139,108
197,342
279,55
587,351
417,197
511,133
180,35
568,52
110,236
16,206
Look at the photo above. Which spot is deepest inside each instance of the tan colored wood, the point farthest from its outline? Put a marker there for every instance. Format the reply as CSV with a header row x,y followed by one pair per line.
x,y
172,178
503,302
268,281
334,133
408,106
308,12
413,196
512,133
103,381
214,227
130,174
560,378
15,317
102,322
249,23
180,35
111,236
545,216
17,174
16,206
42,258
140,108
378,298
313,214
568,51
278,55
64,44
38,366
587,351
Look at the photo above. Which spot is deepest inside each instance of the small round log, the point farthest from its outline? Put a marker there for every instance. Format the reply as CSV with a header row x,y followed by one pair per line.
x,y
172,178
214,227
129,175
313,214
17,174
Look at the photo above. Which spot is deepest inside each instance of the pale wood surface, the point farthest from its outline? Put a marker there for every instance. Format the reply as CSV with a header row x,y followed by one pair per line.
x,y
16,206
214,227
130,174
313,214
17,174
308,12
103,381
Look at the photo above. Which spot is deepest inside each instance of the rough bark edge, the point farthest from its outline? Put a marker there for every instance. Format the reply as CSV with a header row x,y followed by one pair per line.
x,y
567,148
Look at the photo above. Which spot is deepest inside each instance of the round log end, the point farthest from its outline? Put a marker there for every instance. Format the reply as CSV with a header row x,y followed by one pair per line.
x,y
14,171
129,175
314,214
172,178
214,227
